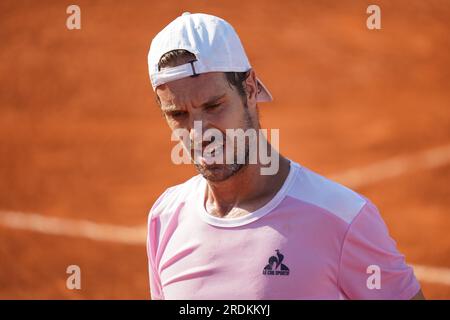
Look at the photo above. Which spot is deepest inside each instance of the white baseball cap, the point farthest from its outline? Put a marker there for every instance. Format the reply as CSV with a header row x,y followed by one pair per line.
x,y
212,40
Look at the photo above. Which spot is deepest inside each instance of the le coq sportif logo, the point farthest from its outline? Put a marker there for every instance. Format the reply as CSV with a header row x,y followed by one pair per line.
x,y
275,265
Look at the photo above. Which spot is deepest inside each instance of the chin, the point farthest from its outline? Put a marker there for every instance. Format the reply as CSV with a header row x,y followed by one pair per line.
x,y
218,172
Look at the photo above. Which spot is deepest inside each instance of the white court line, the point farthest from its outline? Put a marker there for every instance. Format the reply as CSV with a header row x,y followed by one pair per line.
x,y
136,235
73,228
363,176
432,274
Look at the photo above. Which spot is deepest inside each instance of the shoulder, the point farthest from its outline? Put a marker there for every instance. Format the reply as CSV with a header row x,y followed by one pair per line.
x,y
319,191
173,196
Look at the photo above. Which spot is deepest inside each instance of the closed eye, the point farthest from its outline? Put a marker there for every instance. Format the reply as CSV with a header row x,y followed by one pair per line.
x,y
177,114
212,106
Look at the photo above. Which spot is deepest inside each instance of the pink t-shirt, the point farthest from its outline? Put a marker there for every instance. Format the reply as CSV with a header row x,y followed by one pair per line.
x,y
316,239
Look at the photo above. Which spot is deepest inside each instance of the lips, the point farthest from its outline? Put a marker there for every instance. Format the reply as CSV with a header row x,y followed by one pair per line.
x,y
209,154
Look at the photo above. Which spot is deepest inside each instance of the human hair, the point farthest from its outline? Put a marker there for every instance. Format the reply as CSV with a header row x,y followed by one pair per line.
x,y
180,56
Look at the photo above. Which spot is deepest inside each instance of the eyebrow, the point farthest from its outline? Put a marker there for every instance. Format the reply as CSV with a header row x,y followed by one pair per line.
x,y
214,100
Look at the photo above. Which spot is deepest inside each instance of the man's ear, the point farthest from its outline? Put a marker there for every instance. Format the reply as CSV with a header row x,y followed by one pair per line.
x,y
251,87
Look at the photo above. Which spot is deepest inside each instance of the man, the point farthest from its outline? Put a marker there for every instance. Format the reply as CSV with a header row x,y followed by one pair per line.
x,y
232,232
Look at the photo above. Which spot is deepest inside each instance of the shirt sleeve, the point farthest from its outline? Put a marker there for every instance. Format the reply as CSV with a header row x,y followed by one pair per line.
x,y
155,285
156,292
371,267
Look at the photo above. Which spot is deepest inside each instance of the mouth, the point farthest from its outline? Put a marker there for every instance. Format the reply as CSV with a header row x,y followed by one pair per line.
x,y
209,154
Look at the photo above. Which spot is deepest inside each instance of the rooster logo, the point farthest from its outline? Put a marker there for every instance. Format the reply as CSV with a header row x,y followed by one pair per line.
x,y
275,265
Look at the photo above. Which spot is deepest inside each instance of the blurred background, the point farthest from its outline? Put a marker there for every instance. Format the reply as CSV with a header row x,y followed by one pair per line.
x,y
84,150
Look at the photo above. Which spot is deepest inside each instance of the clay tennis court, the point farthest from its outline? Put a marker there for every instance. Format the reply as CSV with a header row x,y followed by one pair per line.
x,y
84,150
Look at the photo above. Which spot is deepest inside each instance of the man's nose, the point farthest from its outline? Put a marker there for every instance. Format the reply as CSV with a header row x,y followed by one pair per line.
x,y
198,123
198,127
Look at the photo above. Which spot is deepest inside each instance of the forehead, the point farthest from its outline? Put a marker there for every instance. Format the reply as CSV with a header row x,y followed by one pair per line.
x,y
193,90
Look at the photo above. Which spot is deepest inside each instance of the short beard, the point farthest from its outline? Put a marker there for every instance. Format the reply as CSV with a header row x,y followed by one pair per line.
x,y
218,173
222,172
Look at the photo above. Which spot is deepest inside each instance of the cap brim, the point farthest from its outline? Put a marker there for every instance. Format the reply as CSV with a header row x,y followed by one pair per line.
x,y
263,94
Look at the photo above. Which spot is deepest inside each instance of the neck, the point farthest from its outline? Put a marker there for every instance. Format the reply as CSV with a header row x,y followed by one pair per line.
x,y
246,191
